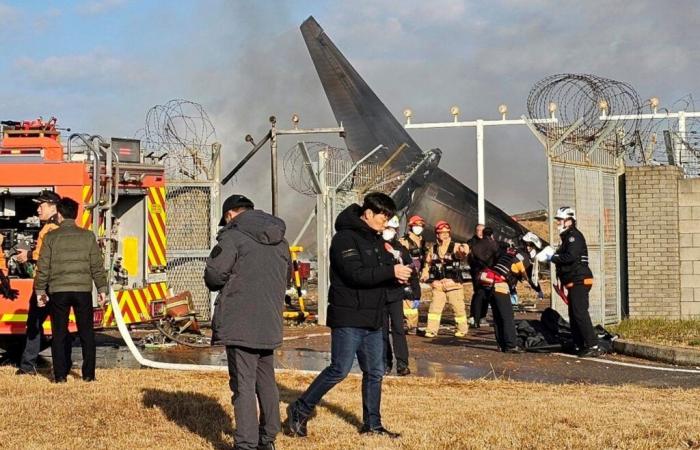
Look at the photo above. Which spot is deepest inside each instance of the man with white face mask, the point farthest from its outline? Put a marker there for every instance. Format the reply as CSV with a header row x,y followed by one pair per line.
x,y
415,244
394,333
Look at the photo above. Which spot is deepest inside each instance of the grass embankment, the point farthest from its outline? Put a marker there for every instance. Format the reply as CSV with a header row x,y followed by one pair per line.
x,y
684,333
148,409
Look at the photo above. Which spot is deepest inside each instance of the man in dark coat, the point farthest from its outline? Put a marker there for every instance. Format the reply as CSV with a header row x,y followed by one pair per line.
x,y
571,260
483,251
250,266
361,271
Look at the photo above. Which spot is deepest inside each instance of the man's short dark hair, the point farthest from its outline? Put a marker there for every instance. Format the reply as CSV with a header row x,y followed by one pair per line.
x,y
379,203
68,208
488,231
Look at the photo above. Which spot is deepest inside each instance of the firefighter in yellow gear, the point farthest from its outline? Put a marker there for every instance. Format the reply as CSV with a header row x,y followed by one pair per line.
x,y
444,269
414,242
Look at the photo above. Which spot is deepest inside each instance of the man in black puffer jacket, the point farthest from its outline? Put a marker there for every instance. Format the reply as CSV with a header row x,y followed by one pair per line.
x,y
250,266
361,272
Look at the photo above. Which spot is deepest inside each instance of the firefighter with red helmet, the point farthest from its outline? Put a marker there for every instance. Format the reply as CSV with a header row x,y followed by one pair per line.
x,y
414,242
445,271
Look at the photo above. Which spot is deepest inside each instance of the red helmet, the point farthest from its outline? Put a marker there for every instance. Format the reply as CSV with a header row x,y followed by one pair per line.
x,y
442,225
415,220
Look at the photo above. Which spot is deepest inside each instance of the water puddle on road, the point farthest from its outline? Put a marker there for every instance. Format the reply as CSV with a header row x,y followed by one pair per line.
x,y
310,360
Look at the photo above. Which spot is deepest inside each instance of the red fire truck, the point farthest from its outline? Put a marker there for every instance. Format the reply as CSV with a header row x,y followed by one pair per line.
x,y
122,198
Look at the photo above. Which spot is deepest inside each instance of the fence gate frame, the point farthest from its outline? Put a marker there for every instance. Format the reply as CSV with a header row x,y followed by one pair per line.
x,y
592,170
193,250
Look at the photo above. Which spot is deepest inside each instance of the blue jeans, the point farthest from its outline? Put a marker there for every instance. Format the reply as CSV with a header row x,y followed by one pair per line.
x,y
347,342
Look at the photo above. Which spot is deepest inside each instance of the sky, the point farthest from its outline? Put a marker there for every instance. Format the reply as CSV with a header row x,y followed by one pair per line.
x,y
99,65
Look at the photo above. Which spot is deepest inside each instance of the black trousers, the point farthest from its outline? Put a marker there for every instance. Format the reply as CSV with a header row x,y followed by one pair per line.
x,y
581,325
60,304
393,325
252,381
503,320
36,317
480,301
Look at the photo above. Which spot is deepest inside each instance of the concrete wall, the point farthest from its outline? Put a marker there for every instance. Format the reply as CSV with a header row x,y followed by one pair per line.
x,y
663,243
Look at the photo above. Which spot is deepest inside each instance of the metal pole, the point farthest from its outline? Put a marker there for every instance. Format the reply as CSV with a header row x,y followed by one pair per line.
x,y
480,170
303,228
273,165
322,241
250,154
680,139
214,207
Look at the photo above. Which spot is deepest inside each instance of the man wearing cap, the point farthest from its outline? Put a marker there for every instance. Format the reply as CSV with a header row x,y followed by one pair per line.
x,y
442,269
250,266
46,210
415,244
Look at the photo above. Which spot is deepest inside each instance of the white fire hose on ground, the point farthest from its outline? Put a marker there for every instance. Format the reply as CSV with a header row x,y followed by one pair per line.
x,y
124,331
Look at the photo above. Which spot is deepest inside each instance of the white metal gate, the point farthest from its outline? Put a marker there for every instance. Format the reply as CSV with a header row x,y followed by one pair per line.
x,y
594,193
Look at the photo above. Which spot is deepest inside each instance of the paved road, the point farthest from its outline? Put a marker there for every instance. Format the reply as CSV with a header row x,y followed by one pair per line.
x,y
445,356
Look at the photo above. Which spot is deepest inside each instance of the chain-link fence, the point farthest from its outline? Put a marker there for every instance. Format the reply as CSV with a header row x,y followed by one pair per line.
x,y
191,209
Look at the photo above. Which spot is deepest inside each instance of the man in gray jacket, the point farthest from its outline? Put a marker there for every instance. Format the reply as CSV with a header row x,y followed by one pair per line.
x,y
250,267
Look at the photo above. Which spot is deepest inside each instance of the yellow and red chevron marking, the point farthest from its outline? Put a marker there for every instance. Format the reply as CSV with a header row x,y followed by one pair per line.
x,y
86,218
156,227
21,319
135,304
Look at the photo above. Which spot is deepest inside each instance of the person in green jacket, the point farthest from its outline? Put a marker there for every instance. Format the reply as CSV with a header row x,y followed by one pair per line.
x,y
69,264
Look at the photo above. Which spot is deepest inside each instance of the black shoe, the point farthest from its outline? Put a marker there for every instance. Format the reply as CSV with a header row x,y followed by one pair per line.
x,y
387,370
89,379
296,421
379,431
590,352
402,371
268,446
516,350
60,380
25,372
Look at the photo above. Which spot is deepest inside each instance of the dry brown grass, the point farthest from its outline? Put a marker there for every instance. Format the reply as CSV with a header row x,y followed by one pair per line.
x,y
129,409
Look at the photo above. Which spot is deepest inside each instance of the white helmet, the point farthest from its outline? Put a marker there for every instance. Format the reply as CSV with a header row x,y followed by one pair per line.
x,y
393,222
565,212
532,238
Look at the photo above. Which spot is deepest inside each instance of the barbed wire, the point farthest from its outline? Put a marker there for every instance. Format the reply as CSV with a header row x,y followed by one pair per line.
x,y
181,132
586,97
294,165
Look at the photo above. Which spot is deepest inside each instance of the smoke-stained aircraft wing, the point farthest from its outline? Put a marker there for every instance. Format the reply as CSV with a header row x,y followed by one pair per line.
x,y
368,123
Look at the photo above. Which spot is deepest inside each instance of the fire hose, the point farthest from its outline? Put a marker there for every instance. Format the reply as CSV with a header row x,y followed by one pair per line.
x,y
123,330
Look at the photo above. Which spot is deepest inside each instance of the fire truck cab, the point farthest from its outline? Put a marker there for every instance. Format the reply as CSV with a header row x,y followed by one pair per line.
x,y
122,200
